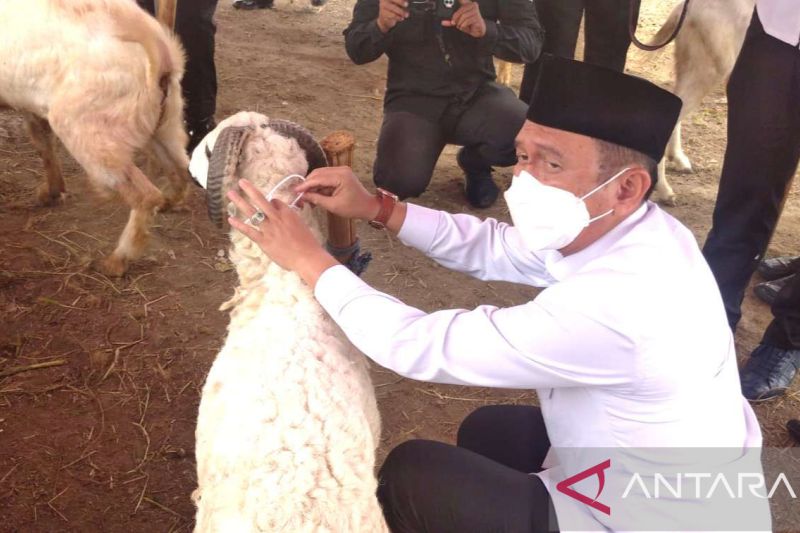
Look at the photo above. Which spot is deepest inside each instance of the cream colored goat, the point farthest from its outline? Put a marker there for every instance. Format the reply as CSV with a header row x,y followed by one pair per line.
x,y
706,49
104,77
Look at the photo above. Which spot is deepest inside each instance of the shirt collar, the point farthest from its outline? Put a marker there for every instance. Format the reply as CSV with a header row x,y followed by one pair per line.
x,y
560,267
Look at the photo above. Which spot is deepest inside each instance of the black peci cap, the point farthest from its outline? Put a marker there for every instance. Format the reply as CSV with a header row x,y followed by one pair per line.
x,y
605,104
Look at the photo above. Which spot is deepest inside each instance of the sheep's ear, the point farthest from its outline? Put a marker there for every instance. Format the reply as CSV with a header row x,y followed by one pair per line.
x,y
222,168
314,154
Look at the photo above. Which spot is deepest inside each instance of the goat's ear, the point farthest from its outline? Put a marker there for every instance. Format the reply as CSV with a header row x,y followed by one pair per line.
x,y
222,169
314,154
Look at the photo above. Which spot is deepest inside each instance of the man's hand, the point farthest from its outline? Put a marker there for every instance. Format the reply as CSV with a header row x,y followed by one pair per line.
x,y
338,191
390,12
282,235
468,19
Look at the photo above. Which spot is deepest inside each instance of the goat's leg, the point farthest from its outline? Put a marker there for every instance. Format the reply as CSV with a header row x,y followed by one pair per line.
x,y
504,72
663,191
144,199
168,144
700,65
675,155
172,157
50,191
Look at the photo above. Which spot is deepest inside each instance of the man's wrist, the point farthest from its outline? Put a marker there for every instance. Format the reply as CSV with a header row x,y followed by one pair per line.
x,y
489,38
314,265
383,29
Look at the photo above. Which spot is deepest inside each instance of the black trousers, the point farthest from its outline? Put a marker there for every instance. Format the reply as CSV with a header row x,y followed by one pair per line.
x,y
760,159
410,143
194,24
480,485
606,38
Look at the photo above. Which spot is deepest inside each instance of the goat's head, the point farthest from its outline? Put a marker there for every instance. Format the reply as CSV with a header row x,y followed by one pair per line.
x,y
250,145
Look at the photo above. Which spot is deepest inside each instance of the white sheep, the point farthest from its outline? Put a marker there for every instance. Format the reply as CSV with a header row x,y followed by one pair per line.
x,y
288,423
104,76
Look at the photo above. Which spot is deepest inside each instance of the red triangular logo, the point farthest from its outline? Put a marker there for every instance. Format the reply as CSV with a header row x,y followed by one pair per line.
x,y
596,470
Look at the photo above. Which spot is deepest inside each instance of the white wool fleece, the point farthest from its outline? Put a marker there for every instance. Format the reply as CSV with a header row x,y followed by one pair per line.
x,y
288,423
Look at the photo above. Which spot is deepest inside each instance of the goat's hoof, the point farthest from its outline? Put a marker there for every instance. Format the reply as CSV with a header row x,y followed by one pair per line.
x,y
669,200
173,202
44,198
111,266
174,207
680,163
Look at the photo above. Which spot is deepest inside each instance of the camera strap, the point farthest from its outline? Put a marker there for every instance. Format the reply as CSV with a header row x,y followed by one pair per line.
x,y
438,31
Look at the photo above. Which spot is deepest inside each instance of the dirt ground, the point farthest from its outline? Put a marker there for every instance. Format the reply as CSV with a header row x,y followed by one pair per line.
x,y
104,441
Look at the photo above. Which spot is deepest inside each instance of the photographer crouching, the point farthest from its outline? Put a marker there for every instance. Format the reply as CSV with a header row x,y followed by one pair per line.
x,y
440,86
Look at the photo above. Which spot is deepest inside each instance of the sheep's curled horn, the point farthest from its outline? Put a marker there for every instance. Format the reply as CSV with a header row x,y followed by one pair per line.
x,y
228,148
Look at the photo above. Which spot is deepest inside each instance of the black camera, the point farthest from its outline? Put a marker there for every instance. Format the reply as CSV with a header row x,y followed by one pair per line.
x,y
441,9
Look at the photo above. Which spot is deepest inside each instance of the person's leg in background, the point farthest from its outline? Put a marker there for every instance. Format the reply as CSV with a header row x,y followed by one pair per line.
x,y
195,26
253,4
760,159
774,363
561,20
486,130
606,38
784,331
408,148
477,486
147,5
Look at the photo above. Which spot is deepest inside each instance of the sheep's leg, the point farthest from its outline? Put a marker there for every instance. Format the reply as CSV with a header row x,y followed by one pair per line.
x,y
52,190
144,199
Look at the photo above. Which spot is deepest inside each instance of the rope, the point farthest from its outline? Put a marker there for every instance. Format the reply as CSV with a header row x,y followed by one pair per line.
x,y
633,22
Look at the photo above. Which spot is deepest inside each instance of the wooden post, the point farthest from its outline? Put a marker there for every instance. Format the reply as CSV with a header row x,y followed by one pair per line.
x,y
165,12
339,147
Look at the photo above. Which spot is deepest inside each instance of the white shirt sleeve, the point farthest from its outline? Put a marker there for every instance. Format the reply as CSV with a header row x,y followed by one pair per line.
x,y
780,19
485,249
525,346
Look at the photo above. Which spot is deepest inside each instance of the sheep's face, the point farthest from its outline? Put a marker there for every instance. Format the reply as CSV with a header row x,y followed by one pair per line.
x,y
268,158
250,145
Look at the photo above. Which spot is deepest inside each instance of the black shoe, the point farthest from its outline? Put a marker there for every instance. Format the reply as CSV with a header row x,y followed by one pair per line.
x,y
198,132
253,4
769,372
767,291
480,188
793,427
778,267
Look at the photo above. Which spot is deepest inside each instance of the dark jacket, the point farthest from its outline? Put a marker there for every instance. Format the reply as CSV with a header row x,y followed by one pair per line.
x,y
427,60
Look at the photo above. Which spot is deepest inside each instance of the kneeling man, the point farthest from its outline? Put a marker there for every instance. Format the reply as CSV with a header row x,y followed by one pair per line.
x,y
627,346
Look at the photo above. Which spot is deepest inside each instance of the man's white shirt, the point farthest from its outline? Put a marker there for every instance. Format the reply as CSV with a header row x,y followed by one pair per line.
x,y
781,19
627,345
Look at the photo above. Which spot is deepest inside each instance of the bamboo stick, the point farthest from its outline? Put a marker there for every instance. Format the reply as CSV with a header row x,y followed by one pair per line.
x,y
339,148
165,12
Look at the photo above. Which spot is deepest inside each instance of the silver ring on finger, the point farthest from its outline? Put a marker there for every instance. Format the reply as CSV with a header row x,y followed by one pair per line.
x,y
257,218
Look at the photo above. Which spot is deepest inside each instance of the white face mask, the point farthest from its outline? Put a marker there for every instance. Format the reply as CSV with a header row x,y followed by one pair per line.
x,y
549,218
